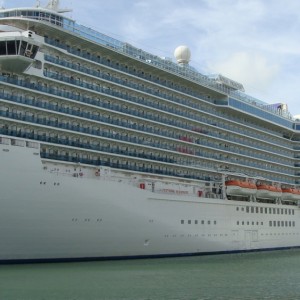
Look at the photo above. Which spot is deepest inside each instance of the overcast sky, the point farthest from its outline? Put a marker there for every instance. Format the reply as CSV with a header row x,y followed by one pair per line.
x,y
255,42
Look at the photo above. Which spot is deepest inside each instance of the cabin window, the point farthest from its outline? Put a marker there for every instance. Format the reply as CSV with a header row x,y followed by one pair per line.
x,y
11,48
2,48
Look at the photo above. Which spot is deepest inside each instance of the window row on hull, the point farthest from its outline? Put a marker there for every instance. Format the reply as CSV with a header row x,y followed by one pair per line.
x,y
129,70
118,133
218,119
106,61
153,169
78,154
163,119
189,138
183,120
140,147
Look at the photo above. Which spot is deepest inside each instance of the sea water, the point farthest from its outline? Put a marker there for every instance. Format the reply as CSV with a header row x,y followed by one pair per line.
x,y
261,275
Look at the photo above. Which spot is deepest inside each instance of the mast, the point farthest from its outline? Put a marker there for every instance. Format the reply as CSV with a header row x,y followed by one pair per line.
x,y
54,5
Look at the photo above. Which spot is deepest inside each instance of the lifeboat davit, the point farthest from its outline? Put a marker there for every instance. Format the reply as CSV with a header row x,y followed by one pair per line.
x,y
240,188
290,194
267,191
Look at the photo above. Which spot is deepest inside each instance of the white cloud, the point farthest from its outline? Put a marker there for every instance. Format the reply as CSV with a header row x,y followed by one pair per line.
x,y
253,70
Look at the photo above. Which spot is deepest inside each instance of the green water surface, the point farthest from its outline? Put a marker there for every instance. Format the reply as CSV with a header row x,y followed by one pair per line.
x,y
264,275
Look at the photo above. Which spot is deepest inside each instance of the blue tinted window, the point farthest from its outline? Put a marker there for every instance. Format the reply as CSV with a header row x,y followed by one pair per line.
x,y
256,111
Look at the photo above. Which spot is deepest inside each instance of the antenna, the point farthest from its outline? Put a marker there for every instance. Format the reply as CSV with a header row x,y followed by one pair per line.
x,y
38,3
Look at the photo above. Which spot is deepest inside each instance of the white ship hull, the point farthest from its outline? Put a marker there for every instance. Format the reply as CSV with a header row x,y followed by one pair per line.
x,y
156,139
84,218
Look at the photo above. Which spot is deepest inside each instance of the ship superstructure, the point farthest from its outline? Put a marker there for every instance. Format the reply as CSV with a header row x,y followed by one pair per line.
x,y
130,154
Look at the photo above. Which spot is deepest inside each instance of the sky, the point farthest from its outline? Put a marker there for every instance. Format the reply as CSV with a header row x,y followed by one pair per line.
x,y
254,42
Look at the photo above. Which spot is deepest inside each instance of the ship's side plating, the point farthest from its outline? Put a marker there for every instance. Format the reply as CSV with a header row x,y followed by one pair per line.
x,y
48,213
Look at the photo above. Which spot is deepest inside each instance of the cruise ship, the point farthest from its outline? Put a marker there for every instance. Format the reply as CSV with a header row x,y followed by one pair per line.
x,y
109,151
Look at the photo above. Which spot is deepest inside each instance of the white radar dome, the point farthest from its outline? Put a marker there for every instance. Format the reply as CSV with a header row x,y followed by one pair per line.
x,y
182,54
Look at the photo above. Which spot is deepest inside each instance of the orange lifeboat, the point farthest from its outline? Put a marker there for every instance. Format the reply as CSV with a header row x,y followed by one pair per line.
x,y
232,183
297,194
263,191
290,194
267,191
233,187
240,188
